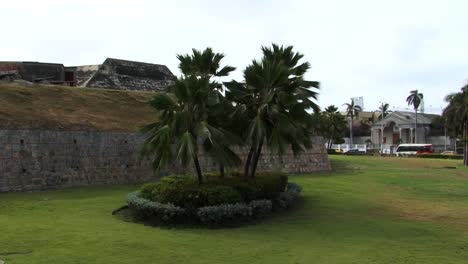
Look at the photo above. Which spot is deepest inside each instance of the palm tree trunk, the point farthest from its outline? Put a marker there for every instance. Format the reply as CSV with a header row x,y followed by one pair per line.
x,y
221,170
351,131
248,161
256,158
197,168
416,127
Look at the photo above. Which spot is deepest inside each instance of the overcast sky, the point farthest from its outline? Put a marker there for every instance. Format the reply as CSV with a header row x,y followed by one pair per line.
x,y
377,49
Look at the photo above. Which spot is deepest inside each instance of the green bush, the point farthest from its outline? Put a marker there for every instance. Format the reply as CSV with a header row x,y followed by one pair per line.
x,y
162,190
438,156
248,190
185,192
216,195
271,183
261,208
289,197
148,209
176,189
266,185
229,213
148,189
209,176
224,213
208,204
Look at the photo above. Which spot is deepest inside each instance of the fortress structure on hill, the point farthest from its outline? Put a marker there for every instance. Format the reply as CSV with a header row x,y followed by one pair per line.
x,y
39,158
111,74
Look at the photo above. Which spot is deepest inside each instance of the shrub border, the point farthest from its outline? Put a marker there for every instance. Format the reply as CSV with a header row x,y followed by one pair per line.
x,y
219,214
149,209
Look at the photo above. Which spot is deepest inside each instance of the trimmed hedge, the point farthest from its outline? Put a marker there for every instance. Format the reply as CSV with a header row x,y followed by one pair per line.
x,y
261,208
438,156
228,213
224,213
290,196
214,214
184,192
266,185
149,209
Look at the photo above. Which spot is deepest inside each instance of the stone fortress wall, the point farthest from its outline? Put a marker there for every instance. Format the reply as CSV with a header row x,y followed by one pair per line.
x,y
111,74
45,159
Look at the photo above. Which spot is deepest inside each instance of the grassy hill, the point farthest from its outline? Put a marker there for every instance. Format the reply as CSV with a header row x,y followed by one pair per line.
x,y
73,108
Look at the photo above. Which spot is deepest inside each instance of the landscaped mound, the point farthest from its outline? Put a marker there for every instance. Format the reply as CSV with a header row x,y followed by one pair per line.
x,y
181,200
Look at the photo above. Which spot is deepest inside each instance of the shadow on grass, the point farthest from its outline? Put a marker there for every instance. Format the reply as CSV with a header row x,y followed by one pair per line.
x,y
72,192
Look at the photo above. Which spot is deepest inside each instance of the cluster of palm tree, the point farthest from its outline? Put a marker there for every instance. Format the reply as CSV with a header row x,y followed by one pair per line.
x,y
271,106
456,116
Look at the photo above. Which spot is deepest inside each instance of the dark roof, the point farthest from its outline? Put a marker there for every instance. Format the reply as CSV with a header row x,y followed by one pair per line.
x,y
403,117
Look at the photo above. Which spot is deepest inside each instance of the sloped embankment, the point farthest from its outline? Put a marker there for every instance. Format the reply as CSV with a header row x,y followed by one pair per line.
x,y
73,108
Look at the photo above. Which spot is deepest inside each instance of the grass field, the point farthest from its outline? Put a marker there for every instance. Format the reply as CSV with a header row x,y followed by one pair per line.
x,y
369,210
56,107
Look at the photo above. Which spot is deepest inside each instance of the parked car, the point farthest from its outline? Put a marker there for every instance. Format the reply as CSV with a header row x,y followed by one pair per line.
x,y
448,152
413,149
354,152
385,151
339,150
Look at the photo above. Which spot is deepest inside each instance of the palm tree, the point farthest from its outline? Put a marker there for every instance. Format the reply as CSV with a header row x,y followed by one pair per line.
x,y
184,116
273,103
207,63
384,110
456,114
203,63
352,110
415,98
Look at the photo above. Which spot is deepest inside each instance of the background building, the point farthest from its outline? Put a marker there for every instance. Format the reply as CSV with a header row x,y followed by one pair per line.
x,y
358,101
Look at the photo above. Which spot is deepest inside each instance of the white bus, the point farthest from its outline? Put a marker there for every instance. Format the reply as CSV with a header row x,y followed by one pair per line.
x,y
413,149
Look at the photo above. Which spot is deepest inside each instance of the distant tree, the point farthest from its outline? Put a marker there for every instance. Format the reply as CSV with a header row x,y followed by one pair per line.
x,y
415,98
384,109
352,111
438,126
362,130
456,114
331,124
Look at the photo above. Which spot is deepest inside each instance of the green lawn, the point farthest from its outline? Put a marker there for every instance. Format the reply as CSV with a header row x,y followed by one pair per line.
x,y
369,210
